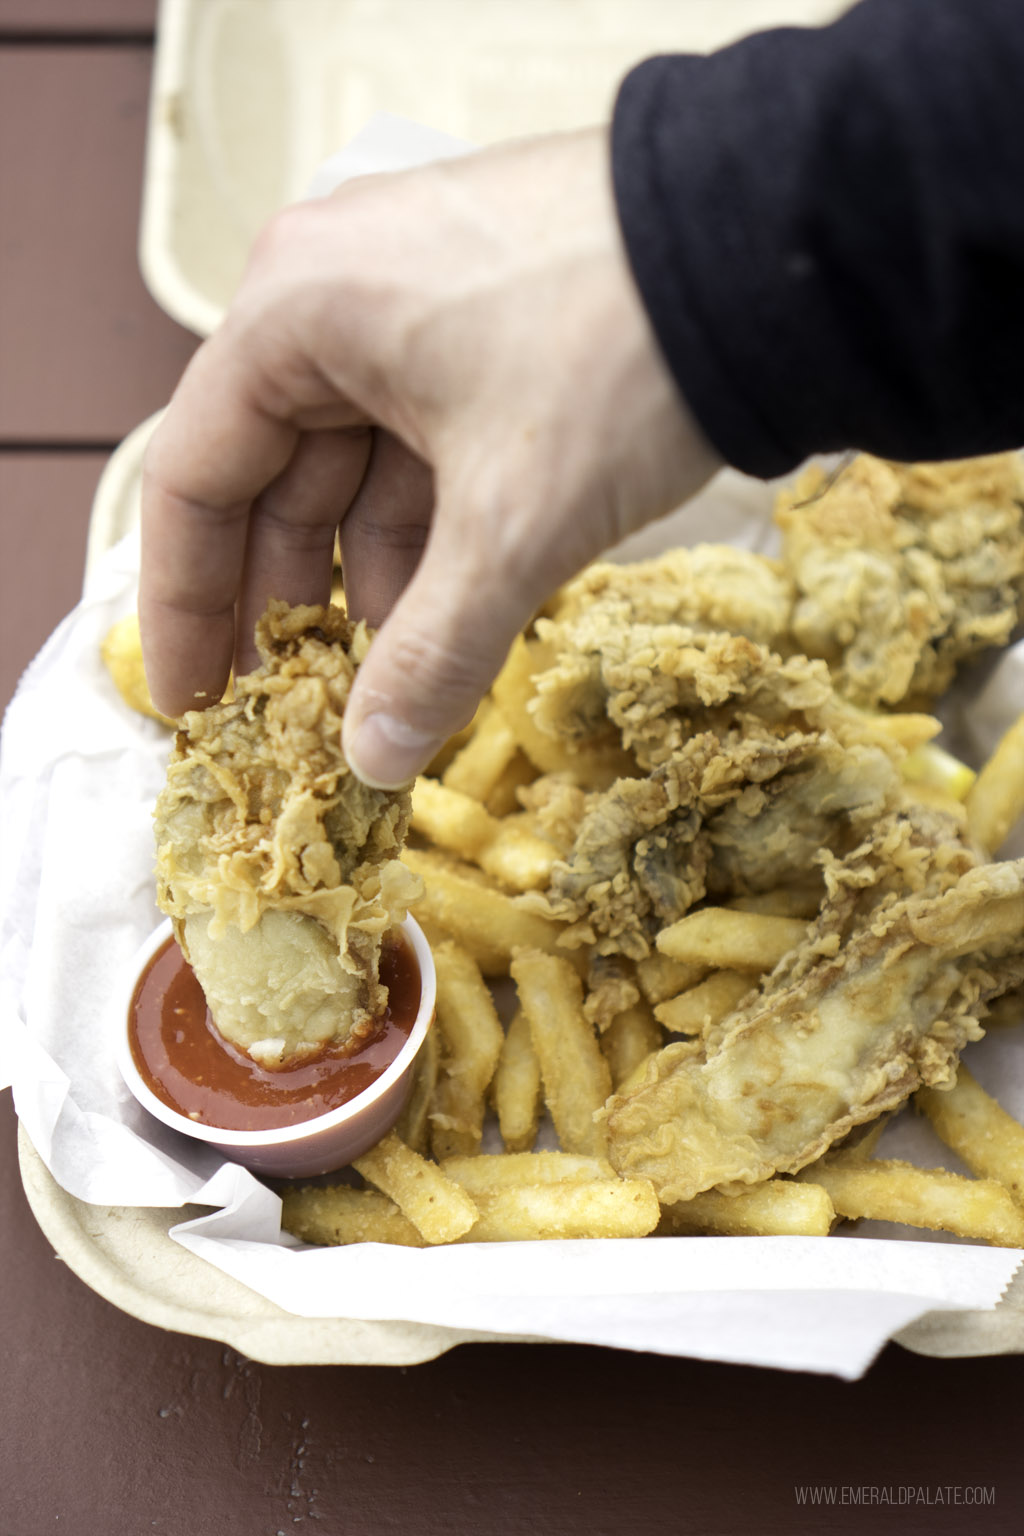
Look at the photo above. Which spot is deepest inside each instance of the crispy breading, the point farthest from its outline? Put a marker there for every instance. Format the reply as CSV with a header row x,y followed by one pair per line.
x,y
705,587
747,765
911,944
903,571
279,868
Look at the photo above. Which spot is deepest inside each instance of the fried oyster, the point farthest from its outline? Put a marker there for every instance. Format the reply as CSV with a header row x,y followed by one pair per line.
x,y
911,944
739,692
745,765
902,571
279,868
709,587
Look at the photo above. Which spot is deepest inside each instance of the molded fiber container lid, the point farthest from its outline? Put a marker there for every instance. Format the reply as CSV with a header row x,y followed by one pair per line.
x,y
249,96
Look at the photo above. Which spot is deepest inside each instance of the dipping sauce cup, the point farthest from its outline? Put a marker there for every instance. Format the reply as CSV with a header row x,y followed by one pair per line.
x,y
304,1147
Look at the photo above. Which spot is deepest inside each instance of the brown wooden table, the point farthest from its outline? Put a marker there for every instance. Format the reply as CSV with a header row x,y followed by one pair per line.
x,y
109,1427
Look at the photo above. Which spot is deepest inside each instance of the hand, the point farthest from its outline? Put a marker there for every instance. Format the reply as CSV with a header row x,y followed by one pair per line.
x,y
452,367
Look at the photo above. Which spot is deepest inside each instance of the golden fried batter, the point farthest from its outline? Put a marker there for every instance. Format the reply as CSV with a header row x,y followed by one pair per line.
x,y
903,571
747,765
910,946
278,867
706,587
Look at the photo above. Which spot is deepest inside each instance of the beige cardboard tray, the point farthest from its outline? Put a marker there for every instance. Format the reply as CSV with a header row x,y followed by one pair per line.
x,y
249,96
127,1256
124,1253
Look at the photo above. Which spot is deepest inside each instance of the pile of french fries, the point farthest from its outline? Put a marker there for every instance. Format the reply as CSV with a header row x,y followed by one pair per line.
x,y
545,1074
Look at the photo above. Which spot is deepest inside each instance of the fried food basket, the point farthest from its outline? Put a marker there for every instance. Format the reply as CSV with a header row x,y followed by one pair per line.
x,y
249,96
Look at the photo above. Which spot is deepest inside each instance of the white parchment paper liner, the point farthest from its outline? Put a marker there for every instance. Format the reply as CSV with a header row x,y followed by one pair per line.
x,y
79,774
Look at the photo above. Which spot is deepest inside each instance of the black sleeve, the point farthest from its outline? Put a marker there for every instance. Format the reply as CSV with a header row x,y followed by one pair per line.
x,y
827,230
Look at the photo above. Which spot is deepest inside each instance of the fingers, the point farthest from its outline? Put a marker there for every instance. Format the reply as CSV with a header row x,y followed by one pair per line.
x,y
434,657
385,529
290,543
213,452
230,433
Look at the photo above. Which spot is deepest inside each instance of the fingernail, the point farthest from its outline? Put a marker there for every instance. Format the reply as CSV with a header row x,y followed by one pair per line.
x,y
386,753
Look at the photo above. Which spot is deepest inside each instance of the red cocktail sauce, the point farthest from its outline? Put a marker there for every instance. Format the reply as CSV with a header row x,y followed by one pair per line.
x,y
188,1064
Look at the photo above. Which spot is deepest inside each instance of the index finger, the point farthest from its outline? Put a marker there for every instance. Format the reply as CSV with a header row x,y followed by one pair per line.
x,y
231,430
212,454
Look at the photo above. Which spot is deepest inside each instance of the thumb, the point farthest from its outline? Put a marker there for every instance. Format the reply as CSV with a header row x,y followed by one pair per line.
x,y
430,663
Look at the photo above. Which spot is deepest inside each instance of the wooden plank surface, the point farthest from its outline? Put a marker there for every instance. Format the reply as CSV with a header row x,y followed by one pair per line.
x,y
45,501
81,16
110,1426
86,352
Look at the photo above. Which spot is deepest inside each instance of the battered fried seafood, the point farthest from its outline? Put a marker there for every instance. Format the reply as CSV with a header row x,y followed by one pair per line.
x,y
709,587
892,981
902,571
279,868
745,766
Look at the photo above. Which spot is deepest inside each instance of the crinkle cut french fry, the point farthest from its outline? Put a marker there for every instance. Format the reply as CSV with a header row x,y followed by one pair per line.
x,y
661,978
486,922
451,819
433,860
516,1089
931,767
492,1171
588,1208
575,1075
978,1130
413,1124
995,802
439,1209
888,1190
776,1208
340,1214
478,766
506,849
473,1039
710,1001
721,939
628,1041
